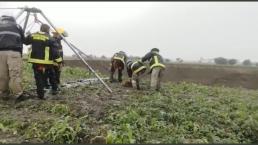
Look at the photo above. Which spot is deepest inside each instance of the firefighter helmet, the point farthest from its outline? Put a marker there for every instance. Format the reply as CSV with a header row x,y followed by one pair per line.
x,y
155,49
62,32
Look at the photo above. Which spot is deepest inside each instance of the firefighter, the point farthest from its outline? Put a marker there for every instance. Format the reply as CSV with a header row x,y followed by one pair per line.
x,y
11,45
118,63
156,67
57,66
135,69
42,56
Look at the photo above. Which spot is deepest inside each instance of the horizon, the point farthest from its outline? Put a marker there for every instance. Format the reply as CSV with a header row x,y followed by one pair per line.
x,y
187,30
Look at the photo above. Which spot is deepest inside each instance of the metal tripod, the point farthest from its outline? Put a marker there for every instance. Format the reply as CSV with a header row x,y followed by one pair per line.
x,y
77,51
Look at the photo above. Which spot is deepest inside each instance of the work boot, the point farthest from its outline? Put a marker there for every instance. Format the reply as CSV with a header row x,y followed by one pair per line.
x,y
41,97
47,86
4,96
111,79
20,98
54,92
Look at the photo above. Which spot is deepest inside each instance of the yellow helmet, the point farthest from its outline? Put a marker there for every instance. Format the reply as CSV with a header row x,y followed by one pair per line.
x,y
62,32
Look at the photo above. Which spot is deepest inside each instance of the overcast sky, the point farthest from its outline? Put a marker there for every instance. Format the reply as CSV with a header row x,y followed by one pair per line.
x,y
188,30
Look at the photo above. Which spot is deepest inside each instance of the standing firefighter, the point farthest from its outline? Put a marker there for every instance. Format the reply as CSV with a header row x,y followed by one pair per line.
x,y
42,56
118,63
11,45
57,66
135,70
156,67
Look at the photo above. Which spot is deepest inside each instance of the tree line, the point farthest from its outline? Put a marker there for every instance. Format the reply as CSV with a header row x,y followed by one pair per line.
x,y
225,61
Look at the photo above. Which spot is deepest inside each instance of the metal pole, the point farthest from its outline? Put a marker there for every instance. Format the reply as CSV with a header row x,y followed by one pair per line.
x,y
26,21
80,52
92,70
78,55
19,14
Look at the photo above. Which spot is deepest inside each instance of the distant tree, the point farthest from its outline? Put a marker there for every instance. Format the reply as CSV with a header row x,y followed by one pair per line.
x,y
167,60
201,60
220,60
247,62
256,64
103,57
179,60
232,61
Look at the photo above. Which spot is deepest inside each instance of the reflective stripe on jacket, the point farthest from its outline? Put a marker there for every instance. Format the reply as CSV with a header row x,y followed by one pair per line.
x,y
119,56
136,66
156,60
43,50
11,37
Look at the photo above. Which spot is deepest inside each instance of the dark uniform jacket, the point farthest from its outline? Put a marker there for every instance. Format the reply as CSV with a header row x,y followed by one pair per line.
x,y
44,49
11,37
59,46
155,59
134,67
120,56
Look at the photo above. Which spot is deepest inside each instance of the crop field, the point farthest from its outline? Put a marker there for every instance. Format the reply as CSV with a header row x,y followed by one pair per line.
x,y
181,112
226,75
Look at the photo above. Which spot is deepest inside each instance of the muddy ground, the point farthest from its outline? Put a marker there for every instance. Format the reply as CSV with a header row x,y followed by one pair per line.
x,y
230,76
87,108
17,119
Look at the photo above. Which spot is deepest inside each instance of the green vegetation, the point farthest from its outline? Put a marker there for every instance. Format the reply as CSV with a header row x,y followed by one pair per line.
x,y
179,113
187,113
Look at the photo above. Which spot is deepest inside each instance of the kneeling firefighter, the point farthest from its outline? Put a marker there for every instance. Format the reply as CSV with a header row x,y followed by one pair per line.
x,y
135,70
43,54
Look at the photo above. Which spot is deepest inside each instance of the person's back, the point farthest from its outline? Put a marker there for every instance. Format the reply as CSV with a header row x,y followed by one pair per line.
x,y
120,56
155,59
11,35
11,45
118,63
156,67
44,47
134,70
42,56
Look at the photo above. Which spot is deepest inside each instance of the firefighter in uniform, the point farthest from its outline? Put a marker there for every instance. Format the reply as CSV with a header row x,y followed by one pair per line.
x,y
156,67
42,56
135,70
57,66
118,63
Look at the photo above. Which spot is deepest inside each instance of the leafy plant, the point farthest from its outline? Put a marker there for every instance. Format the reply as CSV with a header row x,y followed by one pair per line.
x,y
61,132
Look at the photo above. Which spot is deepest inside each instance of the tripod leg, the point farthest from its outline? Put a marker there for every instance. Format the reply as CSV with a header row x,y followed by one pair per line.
x,y
19,14
26,21
78,55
